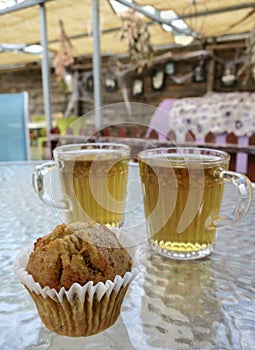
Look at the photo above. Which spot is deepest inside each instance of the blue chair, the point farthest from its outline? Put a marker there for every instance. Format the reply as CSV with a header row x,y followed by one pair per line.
x,y
14,135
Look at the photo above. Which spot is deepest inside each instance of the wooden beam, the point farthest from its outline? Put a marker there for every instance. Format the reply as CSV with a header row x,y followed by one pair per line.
x,y
226,46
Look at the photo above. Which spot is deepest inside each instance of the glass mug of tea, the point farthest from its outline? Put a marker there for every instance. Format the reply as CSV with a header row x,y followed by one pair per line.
x,y
93,181
182,195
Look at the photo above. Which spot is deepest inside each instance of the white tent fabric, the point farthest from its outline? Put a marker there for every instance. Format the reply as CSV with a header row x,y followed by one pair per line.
x,y
213,18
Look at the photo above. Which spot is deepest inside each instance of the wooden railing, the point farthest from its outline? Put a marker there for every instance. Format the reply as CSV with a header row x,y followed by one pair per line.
x,y
242,153
242,156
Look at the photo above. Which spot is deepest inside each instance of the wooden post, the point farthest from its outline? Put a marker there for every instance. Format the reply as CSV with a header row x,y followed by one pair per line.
x,y
210,75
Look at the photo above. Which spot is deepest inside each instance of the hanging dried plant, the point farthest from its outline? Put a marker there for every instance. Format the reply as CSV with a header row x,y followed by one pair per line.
x,y
248,66
135,33
64,59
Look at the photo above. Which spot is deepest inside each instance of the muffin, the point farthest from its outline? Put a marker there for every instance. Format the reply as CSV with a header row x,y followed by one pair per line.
x,y
77,276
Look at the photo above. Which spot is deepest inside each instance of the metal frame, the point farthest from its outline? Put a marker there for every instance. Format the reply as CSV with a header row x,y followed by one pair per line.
x,y
45,60
97,64
45,69
97,53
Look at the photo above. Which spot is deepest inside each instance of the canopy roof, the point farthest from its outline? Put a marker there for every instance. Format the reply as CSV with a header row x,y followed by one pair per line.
x,y
213,19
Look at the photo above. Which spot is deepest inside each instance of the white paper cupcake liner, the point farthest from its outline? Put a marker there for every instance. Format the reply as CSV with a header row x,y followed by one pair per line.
x,y
81,310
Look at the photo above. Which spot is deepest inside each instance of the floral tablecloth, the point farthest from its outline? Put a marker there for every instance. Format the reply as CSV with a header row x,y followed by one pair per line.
x,y
218,113
214,112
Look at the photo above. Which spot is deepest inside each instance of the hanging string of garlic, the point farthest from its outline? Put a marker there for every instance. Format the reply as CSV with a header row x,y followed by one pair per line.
x,y
64,58
248,67
135,33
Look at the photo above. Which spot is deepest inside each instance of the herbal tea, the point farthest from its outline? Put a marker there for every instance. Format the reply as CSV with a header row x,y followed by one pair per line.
x,y
181,196
95,182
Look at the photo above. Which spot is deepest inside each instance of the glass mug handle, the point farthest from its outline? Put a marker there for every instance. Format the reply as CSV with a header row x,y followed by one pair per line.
x,y
38,185
245,197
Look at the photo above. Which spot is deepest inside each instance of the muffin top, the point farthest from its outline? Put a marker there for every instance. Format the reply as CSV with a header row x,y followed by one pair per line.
x,y
77,252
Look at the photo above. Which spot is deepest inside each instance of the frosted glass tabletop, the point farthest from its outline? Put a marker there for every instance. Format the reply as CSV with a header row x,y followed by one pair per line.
x,y
206,304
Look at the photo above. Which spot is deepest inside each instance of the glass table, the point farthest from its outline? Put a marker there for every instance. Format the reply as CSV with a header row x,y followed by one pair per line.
x,y
206,304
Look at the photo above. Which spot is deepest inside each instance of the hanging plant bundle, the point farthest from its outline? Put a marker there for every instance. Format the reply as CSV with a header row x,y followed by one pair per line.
x,y
135,33
63,61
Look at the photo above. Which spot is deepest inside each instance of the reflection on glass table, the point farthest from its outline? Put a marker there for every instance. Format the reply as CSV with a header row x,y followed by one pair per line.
x,y
203,304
